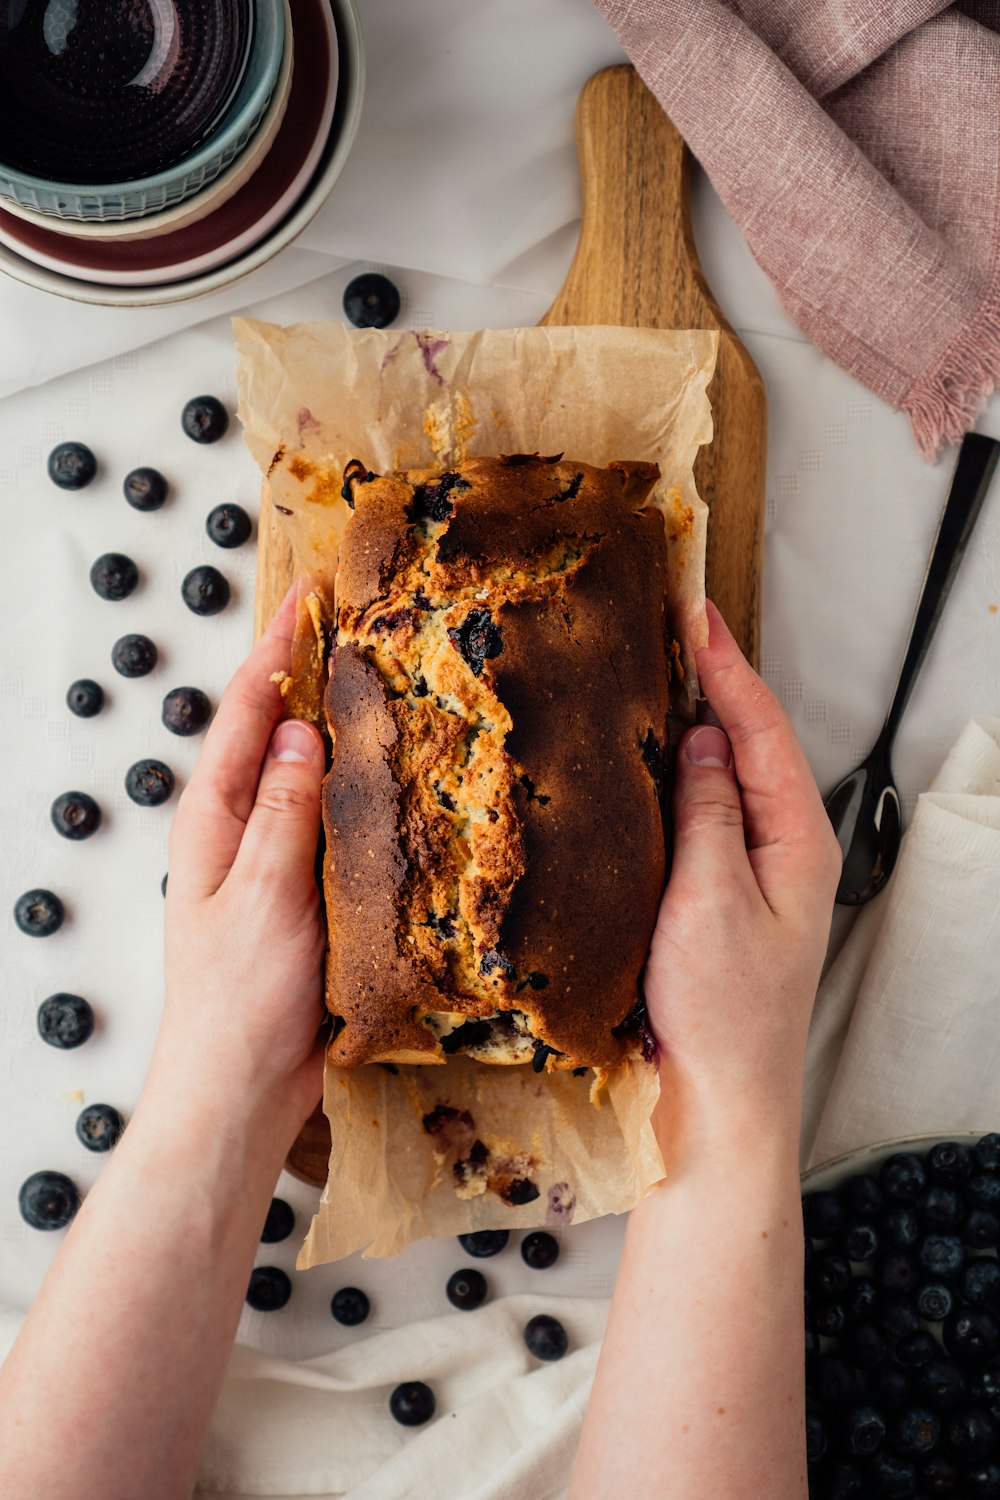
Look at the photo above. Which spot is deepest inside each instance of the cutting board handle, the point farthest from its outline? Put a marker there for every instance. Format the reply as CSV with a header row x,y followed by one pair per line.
x,y
635,178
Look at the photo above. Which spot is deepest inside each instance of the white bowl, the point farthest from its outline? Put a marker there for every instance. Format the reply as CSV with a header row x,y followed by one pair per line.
x,y
869,1158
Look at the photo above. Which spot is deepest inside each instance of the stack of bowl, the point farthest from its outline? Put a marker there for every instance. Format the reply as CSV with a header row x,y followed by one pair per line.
x,y
154,150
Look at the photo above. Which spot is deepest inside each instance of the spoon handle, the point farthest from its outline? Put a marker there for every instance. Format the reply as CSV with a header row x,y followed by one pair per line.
x,y
976,461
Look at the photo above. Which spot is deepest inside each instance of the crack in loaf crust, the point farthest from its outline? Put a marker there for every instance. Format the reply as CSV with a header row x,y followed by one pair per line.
x,y
498,707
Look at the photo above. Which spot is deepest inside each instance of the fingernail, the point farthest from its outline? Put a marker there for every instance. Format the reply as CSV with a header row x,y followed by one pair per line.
x,y
293,740
708,746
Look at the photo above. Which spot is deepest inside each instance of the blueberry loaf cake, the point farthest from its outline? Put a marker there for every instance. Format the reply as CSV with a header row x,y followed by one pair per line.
x,y
497,702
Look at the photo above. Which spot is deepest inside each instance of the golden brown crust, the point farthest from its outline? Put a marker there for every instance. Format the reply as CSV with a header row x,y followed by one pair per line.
x,y
498,704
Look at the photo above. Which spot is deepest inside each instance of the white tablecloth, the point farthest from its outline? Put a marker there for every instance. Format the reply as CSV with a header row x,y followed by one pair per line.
x,y
464,179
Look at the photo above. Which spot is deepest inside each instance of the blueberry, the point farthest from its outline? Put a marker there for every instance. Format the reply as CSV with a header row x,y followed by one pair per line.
x,y
829,1319
412,1404
280,1219
371,301
972,1433
835,1382
861,1299
981,1230
539,1250
896,1316
133,655
186,710
39,913
941,1255
65,1021
99,1127
145,489
477,640
939,1476
205,419
941,1209
812,1343
113,576
866,1346
860,1242
830,1273
822,1214
228,525
466,1289
862,1196
545,1337
941,1383
895,1477
916,1432
85,698
205,591
987,1152
902,1177
983,1190
890,1385
971,1335
71,466
900,1227
816,1439
948,1163
981,1283
48,1200
895,1271
917,1349
75,815
934,1301
845,1482
983,1479
350,1306
483,1242
864,1430
149,782
269,1289
984,1387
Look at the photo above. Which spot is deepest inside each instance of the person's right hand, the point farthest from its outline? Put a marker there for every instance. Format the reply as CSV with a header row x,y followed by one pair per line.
x,y
743,926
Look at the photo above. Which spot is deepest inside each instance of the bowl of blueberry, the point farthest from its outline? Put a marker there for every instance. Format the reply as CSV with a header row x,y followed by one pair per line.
x,y
902,1321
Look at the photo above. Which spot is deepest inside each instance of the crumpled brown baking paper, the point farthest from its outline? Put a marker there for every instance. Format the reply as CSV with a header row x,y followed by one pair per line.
x,y
315,395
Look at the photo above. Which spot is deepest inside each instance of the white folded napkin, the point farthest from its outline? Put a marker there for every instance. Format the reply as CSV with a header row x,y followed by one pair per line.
x,y
905,1037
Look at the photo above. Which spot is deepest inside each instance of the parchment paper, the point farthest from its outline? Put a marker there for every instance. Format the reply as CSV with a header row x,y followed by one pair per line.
x,y
314,396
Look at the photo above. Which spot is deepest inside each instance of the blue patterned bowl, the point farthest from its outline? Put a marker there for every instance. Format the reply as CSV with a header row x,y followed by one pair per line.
x,y
155,96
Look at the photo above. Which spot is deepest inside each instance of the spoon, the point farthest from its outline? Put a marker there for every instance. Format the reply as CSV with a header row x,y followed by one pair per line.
x,y
864,807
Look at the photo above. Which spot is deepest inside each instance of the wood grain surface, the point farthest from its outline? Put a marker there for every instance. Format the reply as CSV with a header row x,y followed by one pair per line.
x,y
636,265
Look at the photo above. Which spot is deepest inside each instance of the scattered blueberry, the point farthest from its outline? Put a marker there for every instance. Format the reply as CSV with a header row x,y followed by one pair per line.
x,y
205,419
99,1127
371,301
85,698
350,1306
48,1200
133,655
228,525
466,1289
145,489
539,1250
113,576
935,1300
149,782
902,1177
483,1242
65,1021
39,913
412,1404
186,710
280,1219
545,1337
75,815
71,466
269,1289
205,591
163,887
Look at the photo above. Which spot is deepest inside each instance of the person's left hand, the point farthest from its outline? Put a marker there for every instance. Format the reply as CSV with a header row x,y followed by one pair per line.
x,y
244,932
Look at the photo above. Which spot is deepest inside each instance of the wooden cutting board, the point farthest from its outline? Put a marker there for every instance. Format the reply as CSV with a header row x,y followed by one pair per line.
x,y
636,265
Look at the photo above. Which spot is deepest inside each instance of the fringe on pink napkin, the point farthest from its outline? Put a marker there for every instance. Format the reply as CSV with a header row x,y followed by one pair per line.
x,y
857,144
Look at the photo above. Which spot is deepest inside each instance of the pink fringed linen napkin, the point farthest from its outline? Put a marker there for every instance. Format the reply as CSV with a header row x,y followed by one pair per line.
x,y
857,145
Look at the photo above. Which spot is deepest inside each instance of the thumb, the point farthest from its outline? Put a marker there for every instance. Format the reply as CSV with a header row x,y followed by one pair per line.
x,y
708,816
280,836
